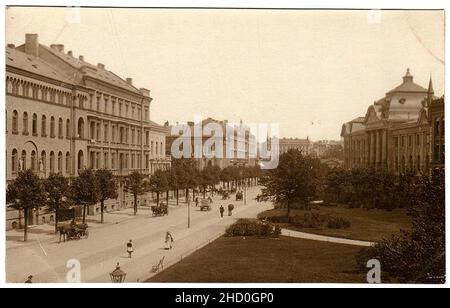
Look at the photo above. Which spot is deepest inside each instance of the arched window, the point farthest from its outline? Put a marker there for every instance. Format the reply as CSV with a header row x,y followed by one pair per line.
x,y
44,126
33,161
80,160
68,163
15,124
34,125
14,161
25,123
23,161
60,162
60,128
52,162
81,128
43,162
68,129
52,127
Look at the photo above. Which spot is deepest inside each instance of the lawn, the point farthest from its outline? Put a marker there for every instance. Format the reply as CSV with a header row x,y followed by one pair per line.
x,y
252,259
366,225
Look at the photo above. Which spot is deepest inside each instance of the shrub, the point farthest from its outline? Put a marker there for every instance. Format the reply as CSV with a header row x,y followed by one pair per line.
x,y
338,223
251,227
308,220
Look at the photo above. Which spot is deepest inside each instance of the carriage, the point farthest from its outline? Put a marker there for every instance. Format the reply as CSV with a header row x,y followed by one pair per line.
x,y
160,210
73,231
225,195
239,196
205,204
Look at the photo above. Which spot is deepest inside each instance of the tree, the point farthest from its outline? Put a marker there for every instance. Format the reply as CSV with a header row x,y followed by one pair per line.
x,y
294,180
158,183
57,188
25,193
107,188
226,175
85,190
417,256
134,184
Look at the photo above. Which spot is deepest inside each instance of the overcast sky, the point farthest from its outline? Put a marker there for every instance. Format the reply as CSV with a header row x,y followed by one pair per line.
x,y
309,71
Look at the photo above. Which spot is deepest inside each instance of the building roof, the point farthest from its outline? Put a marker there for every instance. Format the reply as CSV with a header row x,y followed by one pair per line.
x,y
23,61
94,71
408,85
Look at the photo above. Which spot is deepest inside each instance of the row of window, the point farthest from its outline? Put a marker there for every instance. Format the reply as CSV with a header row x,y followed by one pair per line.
x,y
419,139
34,125
47,94
38,92
116,107
19,163
123,161
121,135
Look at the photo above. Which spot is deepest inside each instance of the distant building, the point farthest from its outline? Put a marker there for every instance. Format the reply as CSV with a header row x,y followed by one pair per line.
x,y
243,152
303,145
322,148
395,132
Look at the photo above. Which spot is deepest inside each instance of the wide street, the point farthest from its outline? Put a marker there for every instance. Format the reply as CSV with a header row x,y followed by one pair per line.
x,y
47,259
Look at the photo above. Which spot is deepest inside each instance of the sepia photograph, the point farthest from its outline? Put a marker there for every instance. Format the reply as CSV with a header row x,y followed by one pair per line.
x,y
162,145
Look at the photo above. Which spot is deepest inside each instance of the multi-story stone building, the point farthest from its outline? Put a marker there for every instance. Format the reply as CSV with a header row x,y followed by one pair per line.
x,y
243,152
395,133
303,145
436,115
64,114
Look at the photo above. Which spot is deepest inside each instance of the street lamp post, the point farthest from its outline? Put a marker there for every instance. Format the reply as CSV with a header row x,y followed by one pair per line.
x,y
117,276
189,213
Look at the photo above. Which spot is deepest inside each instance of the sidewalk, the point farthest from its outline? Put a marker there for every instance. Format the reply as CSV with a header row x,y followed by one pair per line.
x,y
321,238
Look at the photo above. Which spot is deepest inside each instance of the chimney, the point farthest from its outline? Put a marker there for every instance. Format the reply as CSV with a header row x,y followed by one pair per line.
x,y
57,47
130,81
101,65
70,53
81,58
32,44
11,46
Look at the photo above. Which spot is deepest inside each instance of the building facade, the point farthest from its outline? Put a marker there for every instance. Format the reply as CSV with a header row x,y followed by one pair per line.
x,y
64,115
395,133
303,145
236,149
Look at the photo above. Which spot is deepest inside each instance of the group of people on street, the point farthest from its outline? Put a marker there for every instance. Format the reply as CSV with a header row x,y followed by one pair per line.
x,y
168,242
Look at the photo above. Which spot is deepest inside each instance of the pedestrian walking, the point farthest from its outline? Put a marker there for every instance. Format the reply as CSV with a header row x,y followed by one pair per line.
x,y
29,279
222,210
169,241
196,201
130,248
230,209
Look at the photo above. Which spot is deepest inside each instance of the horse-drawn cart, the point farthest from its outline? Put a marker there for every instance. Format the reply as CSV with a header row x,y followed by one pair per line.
x,y
73,231
160,210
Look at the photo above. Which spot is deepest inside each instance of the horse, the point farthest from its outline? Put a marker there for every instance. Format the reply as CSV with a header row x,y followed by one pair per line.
x,y
64,230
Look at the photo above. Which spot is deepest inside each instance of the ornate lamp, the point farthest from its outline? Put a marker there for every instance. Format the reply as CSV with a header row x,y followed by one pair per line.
x,y
117,276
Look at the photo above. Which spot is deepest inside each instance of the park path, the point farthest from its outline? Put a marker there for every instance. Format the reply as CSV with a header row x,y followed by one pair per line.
x,y
322,238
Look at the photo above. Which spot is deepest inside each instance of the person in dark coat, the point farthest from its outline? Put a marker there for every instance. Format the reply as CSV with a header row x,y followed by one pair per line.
x,y
130,248
196,201
222,210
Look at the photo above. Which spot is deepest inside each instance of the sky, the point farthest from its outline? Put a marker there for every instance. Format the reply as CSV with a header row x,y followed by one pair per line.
x,y
309,71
